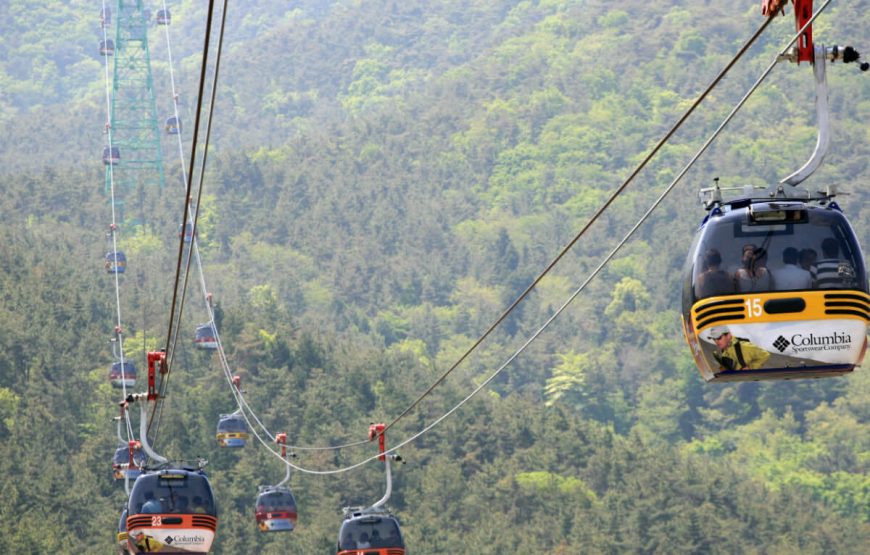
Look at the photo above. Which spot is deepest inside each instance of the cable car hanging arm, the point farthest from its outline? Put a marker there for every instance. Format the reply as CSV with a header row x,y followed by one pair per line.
x,y
377,431
806,51
281,439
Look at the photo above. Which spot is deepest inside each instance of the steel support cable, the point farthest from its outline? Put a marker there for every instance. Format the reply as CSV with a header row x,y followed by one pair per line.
x,y
240,399
111,171
195,217
238,395
589,278
186,199
589,224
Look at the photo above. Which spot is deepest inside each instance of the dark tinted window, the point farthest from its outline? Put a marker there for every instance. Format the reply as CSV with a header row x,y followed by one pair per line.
x,y
204,332
122,456
129,370
275,500
370,531
232,424
735,255
172,492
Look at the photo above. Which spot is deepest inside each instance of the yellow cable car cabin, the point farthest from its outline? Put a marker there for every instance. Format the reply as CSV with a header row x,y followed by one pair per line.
x,y
775,289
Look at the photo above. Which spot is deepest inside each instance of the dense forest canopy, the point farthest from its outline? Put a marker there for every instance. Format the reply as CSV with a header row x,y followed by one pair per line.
x,y
384,178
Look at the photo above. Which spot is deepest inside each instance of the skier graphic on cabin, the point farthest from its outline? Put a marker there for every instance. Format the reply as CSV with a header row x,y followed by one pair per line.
x,y
736,353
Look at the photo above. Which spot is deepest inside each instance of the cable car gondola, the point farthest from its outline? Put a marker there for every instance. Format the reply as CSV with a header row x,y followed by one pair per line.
x,y
121,463
276,509
116,262
107,47
232,430
756,306
111,156
172,125
205,337
164,17
775,287
105,17
123,375
172,510
276,506
373,530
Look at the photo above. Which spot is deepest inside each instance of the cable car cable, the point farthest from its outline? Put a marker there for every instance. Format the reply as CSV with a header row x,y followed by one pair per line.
x,y
564,251
589,278
591,221
111,170
242,403
172,315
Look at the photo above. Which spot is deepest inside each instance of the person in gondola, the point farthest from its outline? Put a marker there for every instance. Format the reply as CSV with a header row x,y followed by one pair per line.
x,y
791,276
151,505
736,353
713,280
363,541
376,539
832,272
753,274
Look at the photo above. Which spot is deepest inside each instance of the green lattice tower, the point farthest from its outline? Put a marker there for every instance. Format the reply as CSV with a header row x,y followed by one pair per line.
x,y
134,127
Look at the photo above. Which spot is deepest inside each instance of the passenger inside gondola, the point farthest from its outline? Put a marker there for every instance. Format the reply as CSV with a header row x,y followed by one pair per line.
x,y
713,280
833,272
753,275
808,259
772,257
162,493
372,531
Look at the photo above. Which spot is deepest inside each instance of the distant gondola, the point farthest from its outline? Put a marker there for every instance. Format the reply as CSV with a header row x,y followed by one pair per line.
x,y
127,378
276,509
206,337
164,17
111,156
107,47
186,231
115,262
105,17
121,463
375,533
172,125
172,511
232,430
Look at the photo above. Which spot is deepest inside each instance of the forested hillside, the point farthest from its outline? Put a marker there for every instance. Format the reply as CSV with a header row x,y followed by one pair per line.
x,y
384,178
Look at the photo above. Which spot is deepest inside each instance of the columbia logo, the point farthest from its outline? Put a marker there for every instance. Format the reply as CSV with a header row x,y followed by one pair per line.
x,y
168,540
781,344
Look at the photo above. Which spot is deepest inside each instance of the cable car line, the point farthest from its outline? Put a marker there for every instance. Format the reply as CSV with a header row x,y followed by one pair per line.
x,y
599,212
585,283
565,250
113,229
172,312
619,190
194,251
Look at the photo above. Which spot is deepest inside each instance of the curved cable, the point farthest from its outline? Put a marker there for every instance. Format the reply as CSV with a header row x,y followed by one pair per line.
x,y
194,250
172,311
110,169
571,298
589,224
240,399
